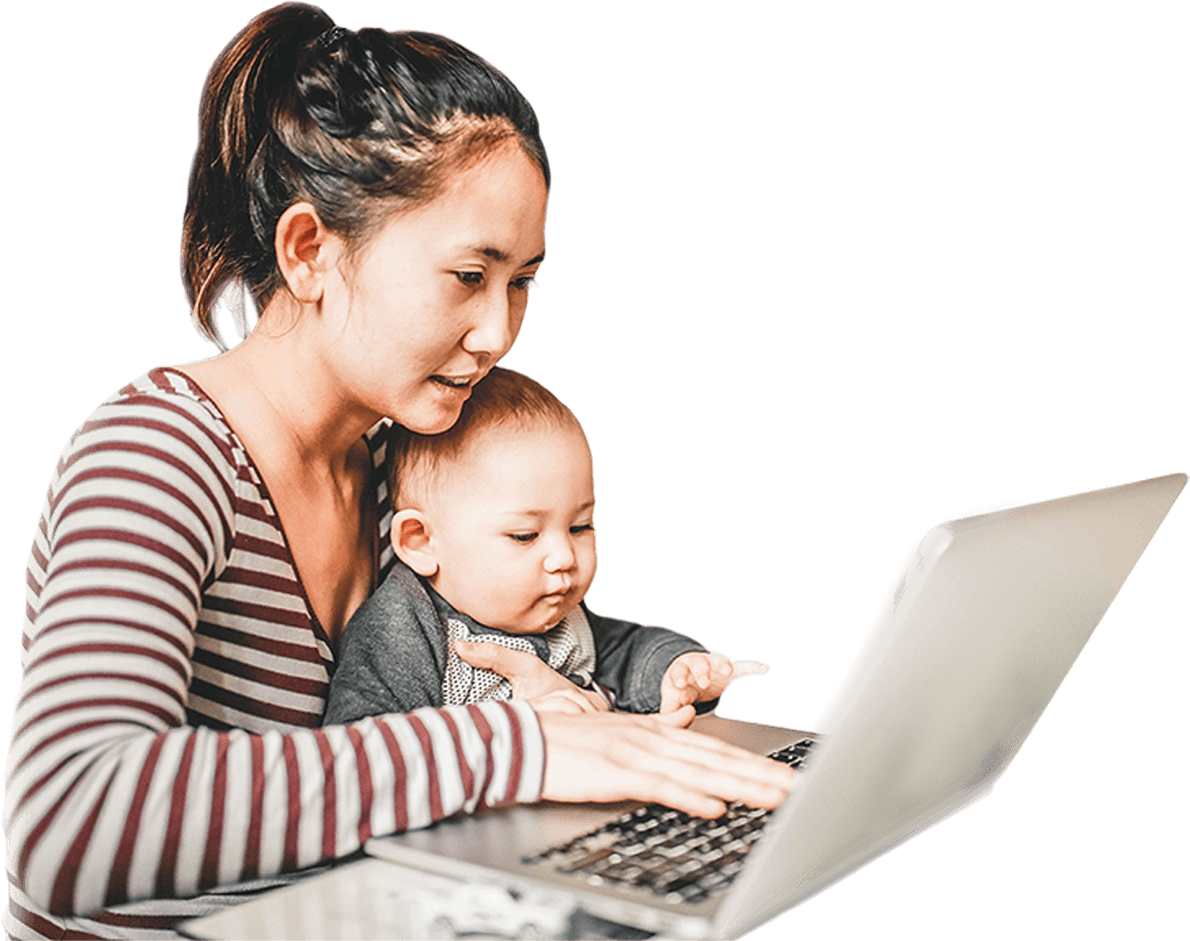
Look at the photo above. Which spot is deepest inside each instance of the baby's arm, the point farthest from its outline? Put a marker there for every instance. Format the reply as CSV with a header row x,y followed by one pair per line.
x,y
389,654
631,660
650,669
694,678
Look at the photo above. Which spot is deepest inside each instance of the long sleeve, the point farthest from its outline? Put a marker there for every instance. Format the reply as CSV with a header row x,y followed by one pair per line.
x,y
141,604
631,660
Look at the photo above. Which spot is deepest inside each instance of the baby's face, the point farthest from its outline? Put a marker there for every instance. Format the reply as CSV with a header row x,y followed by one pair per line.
x,y
511,528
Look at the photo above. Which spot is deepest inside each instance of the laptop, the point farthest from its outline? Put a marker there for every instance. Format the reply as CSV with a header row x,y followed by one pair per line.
x,y
987,620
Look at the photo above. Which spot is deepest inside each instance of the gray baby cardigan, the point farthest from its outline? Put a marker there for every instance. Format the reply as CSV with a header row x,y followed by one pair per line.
x,y
393,654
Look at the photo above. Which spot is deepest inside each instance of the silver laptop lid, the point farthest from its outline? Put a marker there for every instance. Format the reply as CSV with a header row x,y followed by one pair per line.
x,y
990,617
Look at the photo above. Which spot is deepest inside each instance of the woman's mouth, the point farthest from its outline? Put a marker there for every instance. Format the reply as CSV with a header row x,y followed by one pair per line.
x,y
454,382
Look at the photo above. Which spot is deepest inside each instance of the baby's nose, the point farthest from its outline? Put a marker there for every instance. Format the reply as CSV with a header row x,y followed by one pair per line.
x,y
560,557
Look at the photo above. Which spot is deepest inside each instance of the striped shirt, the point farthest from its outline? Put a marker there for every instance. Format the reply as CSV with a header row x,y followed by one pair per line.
x,y
166,743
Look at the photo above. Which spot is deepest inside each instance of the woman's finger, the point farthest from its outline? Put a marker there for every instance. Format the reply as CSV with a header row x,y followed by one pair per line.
x,y
678,718
583,700
511,664
724,783
597,702
714,754
562,700
615,757
530,678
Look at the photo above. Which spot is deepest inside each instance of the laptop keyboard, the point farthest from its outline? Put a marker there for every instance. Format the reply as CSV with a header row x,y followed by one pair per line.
x,y
669,853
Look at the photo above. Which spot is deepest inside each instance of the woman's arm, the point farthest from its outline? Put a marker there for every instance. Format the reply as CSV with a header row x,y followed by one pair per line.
x,y
111,795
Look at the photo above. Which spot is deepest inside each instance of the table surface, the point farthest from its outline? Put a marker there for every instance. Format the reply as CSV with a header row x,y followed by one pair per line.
x,y
368,898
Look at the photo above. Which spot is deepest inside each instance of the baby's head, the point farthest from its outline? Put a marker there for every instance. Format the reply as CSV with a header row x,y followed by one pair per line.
x,y
496,513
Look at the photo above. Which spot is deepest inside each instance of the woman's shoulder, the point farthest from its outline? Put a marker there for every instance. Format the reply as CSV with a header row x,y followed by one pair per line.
x,y
169,389
157,453
160,431
168,405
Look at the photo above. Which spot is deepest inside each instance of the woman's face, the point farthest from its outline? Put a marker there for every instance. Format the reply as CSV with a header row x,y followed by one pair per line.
x,y
437,296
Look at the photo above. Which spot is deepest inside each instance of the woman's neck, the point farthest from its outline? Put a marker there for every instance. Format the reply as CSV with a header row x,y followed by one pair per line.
x,y
279,394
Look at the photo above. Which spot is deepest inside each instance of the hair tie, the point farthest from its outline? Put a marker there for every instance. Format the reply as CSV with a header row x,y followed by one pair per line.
x,y
329,38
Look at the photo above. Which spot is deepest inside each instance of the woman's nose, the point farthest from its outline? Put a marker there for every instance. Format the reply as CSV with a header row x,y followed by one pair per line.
x,y
493,331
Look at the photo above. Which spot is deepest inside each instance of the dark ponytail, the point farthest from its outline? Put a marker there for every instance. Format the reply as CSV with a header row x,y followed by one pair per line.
x,y
357,124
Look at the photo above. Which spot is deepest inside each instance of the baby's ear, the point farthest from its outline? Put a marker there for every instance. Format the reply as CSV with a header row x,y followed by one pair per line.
x,y
411,542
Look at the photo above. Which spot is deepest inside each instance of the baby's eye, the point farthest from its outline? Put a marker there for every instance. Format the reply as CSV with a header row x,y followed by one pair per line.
x,y
522,537
583,528
470,278
523,284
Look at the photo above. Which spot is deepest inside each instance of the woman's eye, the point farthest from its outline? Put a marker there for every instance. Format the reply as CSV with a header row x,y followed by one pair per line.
x,y
522,537
470,278
584,528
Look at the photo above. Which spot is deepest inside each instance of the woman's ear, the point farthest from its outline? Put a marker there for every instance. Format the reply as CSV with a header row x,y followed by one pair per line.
x,y
306,250
412,544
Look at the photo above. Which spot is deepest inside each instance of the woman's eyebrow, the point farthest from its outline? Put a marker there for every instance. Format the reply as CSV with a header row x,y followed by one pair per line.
x,y
499,255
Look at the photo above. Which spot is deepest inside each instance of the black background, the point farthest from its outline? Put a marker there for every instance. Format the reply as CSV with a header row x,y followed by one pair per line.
x,y
809,294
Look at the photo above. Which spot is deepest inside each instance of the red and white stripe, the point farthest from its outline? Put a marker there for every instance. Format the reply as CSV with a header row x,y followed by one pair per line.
x,y
166,737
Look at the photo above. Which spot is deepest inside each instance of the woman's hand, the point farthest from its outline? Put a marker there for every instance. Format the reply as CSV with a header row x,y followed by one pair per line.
x,y
610,757
545,689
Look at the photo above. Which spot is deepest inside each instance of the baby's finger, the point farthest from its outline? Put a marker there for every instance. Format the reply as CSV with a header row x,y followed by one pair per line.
x,y
674,697
748,668
678,674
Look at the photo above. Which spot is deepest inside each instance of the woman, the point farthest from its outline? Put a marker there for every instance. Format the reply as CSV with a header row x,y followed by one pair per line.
x,y
210,529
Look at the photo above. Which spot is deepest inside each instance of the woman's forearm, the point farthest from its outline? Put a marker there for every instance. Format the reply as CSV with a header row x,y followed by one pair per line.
x,y
111,811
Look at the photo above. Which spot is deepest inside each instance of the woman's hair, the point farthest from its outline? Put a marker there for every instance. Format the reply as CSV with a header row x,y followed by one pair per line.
x,y
358,124
503,398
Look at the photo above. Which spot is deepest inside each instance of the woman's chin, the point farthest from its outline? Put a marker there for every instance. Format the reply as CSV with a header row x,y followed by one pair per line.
x,y
429,421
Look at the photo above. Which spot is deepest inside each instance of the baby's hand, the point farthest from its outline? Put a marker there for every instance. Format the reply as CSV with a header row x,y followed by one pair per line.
x,y
694,677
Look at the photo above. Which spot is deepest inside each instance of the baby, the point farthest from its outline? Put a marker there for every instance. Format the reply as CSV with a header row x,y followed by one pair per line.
x,y
495,543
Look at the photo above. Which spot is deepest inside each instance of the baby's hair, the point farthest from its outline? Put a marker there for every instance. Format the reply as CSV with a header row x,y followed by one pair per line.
x,y
359,124
504,398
